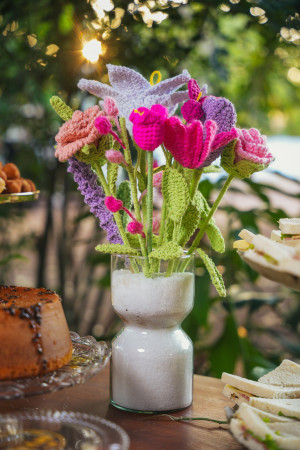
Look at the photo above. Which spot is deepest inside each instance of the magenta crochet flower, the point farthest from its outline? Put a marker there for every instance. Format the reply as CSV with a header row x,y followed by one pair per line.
x,y
203,107
113,204
192,109
148,126
246,154
195,145
77,132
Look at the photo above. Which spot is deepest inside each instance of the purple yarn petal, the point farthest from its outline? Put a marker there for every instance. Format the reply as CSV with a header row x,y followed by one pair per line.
x,y
221,111
94,197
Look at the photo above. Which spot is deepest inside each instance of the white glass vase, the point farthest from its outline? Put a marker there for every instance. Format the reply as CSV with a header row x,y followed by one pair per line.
x,y
152,357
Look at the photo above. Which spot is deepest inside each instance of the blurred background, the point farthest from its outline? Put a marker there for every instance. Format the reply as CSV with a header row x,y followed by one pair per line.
x,y
247,51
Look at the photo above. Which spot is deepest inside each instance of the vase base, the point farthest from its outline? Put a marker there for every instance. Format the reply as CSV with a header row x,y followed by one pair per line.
x,y
138,411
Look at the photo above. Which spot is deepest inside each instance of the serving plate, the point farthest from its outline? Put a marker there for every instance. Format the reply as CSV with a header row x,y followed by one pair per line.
x,y
18,198
89,357
60,430
274,274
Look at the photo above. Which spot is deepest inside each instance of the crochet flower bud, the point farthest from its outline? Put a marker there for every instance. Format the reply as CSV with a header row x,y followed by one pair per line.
x,y
113,204
114,156
110,107
246,154
135,227
103,125
157,177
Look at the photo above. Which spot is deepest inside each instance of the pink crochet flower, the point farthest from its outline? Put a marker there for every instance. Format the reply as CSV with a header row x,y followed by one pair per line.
x,y
77,132
195,145
110,107
135,227
247,154
192,109
113,204
148,126
114,156
104,126
155,225
251,145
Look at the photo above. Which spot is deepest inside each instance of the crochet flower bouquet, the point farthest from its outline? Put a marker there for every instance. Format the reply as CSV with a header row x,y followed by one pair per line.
x,y
135,113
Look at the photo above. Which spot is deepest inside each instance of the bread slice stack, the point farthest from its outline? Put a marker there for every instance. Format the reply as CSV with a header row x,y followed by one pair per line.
x,y
268,416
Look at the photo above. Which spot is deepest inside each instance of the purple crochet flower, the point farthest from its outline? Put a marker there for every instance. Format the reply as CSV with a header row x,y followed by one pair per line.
x,y
94,197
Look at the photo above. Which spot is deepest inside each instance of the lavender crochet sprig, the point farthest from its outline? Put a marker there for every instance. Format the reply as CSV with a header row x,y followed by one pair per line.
x,y
94,197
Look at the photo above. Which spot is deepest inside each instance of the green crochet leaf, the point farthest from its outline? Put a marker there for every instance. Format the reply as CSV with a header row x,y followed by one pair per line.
x,y
64,111
201,204
88,154
169,227
159,169
188,174
112,176
241,169
134,242
142,184
105,143
124,194
116,249
212,169
189,223
176,194
215,236
169,250
215,275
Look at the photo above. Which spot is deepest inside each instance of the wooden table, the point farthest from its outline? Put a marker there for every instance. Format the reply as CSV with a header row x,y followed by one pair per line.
x,y
146,432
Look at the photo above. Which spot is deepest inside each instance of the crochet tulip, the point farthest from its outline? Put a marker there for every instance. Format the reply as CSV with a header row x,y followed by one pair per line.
x,y
192,109
113,204
114,156
77,132
148,126
246,154
195,145
203,107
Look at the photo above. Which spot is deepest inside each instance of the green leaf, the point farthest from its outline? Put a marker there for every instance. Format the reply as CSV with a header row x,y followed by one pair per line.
x,y
64,111
141,182
134,242
215,275
105,143
189,223
201,204
124,194
215,236
212,169
176,194
169,250
119,249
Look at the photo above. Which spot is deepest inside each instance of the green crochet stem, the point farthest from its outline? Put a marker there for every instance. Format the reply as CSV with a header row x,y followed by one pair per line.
x,y
195,181
134,193
207,419
149,201
98,169
201,232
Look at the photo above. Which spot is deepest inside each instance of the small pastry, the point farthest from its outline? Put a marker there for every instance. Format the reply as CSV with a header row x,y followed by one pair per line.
x,y
11,171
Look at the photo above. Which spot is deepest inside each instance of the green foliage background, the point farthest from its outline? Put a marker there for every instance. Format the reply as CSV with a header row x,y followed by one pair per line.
x,y
247,51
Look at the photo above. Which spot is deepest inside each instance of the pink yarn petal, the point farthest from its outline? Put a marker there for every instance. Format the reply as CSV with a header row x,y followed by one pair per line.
x,y
113,204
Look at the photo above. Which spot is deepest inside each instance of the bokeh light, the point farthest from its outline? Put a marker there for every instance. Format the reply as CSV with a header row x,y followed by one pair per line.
x,y
92,50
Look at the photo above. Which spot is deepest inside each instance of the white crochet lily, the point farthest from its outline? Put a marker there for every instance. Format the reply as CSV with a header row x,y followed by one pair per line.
x,y
131,90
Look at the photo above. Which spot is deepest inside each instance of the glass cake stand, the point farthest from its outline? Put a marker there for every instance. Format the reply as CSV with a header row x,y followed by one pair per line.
x,y
89,357
60,430
274,274
18,198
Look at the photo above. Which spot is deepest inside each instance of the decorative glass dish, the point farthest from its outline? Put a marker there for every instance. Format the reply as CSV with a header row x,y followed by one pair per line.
x,y
89,357
60,430
274,274
18,198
